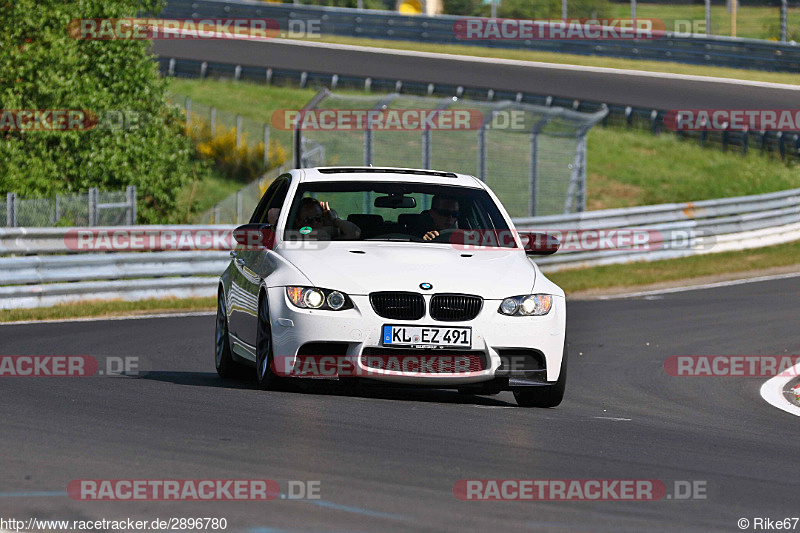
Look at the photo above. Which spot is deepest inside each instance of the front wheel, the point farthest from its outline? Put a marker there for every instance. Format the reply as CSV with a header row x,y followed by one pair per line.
x,y
544,395
267,380
223,360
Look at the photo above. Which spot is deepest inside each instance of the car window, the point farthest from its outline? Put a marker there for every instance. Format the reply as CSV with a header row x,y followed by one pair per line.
x,y
355,203
273,197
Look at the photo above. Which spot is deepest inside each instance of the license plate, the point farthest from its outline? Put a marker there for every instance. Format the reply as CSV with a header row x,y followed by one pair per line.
x,y
424,336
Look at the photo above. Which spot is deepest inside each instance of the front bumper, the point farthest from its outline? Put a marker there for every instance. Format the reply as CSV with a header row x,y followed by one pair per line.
x,y
351,336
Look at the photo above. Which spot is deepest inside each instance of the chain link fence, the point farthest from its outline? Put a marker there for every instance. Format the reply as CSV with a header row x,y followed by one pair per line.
x,y
533,157
91,208
237,208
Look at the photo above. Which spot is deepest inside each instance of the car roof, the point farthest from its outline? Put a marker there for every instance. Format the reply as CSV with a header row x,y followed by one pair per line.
x,y
409,175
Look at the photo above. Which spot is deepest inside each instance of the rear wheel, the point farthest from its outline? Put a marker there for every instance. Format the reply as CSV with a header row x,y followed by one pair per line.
x,y
544,395
267,379
223,360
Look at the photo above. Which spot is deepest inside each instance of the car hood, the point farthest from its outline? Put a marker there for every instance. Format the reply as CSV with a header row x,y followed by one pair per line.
x,y
359,268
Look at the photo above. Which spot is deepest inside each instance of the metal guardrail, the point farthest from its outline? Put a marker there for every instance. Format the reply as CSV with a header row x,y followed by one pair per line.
x,y
703,50
685,229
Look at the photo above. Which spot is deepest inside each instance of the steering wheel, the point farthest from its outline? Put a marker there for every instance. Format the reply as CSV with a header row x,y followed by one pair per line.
x,y
444,235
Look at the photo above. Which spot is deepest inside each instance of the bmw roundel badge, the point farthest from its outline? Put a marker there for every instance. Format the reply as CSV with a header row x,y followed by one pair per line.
x,y
425,286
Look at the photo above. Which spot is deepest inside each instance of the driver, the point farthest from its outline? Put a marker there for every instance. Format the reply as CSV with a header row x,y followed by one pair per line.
x,y
443,214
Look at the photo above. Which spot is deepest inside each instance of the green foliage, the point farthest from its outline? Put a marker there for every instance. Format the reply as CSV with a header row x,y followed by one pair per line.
x,y
42,67
529,9
368,4
470,8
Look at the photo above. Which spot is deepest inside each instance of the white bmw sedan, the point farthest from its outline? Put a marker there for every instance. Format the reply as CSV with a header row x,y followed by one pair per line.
x,y
413,277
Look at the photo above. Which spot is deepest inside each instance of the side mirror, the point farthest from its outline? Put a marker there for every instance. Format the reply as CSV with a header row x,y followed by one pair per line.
x,y
539,243
255,236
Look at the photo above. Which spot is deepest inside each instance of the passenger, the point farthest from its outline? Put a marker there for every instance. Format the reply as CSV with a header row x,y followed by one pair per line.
x,y
320,218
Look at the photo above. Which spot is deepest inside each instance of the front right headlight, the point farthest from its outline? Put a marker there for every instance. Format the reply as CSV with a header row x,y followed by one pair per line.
x,y
526,305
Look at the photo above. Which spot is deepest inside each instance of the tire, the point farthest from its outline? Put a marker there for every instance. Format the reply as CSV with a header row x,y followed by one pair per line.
x,y
544,395
266,378
223,359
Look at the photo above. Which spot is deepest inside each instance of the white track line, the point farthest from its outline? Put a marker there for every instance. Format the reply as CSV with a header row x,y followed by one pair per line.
x,y
701,287
104,318
772,391
535,64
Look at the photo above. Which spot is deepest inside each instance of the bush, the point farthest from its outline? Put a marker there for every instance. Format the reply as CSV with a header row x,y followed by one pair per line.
x,y
529,9
243,162
42,67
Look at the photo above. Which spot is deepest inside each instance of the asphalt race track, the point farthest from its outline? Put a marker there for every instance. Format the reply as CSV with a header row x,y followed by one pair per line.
x,y
388,460
653,91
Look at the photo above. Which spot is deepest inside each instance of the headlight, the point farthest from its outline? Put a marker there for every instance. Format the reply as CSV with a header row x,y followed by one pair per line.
x,y
527,305
336,300
316,298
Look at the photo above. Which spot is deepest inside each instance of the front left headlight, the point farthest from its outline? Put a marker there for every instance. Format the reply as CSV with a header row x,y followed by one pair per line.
x,y
317,298
526,305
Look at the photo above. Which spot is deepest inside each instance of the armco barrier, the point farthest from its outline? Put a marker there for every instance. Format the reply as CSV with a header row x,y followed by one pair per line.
x,y
712,50
56,274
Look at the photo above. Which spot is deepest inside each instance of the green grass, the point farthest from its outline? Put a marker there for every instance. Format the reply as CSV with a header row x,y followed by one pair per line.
x,y
628,168
255,103
109,308
755,22
570,59
643,273
204,193
625,167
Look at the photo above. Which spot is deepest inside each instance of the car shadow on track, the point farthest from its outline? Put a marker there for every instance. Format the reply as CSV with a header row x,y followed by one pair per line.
x,y
332,388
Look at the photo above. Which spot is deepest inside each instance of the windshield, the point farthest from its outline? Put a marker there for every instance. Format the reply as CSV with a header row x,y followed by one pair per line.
x,y
357,211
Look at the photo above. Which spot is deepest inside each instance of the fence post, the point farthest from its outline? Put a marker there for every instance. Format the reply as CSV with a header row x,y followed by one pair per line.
x,y
533,193
783,20
239,206
213,121
238,130
188,112
58,208
482,166
266,146
130,196
11,210
297,139
93,206
708,18
368,144
426,149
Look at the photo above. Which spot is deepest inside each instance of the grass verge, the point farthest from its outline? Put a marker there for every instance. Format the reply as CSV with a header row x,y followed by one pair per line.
x,y
634,167
568,59
625,167
109,309
645,273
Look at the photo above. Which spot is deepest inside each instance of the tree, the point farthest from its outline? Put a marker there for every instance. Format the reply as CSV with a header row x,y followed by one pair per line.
x,y
42,67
